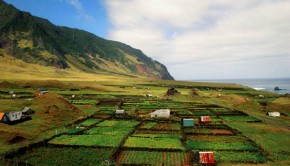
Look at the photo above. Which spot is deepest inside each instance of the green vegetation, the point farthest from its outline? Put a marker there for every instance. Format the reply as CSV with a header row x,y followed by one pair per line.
x,y
214,138
221,145
109,131
232,156
66,156
118,124
153,158
153,143
36,40
88,140
178,136
239,118
273,139
89,122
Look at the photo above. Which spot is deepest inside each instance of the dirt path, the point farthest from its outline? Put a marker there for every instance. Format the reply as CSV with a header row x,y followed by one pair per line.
x,y
274,122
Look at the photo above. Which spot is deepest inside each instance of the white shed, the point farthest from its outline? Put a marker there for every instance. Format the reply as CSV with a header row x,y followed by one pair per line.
x,y
120,112
274,114
164,113
14,116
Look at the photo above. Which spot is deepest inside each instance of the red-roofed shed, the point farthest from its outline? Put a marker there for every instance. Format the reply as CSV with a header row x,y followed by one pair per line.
x,y
205,119
206,158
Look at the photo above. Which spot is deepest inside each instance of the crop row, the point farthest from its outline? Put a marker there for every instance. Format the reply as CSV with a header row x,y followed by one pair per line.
x,y
154,143
66,156
89,122
233,156
161,126
221,145
109,131
153,158
208,131
119,124
88,140
239,118
216,138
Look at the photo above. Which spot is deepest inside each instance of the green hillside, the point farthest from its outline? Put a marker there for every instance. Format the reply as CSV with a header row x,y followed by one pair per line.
x,y
36,40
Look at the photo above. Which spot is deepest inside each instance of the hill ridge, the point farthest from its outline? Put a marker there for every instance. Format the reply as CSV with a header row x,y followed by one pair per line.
x,y
36,40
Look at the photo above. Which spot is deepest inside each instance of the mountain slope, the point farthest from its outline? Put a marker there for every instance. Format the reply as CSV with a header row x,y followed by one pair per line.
x,y
36,40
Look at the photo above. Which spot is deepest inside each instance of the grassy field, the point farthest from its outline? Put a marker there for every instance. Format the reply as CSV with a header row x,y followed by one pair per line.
x,y
59,114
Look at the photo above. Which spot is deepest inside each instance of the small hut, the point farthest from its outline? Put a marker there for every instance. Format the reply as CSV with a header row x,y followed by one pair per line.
x,y
120,112
164,113
204,119
206,158
149,95
3,117
189,122
14,116
27,111
274,114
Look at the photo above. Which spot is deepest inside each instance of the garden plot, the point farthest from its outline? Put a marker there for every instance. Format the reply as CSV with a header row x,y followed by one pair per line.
x,y
84,102
66,156
160,126
241,157
226,112
202,145
116,103
216,138
107,109
240,118
130,157
90,110
157,132
118,124
109,133
201,112
88,140
153,143
89,122
178,136
207,131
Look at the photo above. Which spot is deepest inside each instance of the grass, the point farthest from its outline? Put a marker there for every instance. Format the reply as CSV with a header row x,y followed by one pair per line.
x,y
273,139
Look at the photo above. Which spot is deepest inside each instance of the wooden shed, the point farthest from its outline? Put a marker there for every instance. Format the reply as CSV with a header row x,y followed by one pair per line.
x,y
188,122
206,158
204,119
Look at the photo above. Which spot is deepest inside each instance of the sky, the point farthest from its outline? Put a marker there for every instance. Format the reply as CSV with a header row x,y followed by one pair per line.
x,y
208,39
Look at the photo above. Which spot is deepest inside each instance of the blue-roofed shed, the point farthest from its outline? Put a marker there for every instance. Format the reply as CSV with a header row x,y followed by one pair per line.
x,y
188,122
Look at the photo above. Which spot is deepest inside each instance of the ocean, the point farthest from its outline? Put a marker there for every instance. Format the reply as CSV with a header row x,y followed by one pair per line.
x,y
264,84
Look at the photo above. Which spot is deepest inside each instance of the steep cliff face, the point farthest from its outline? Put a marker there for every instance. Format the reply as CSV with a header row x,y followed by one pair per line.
x,y
36,40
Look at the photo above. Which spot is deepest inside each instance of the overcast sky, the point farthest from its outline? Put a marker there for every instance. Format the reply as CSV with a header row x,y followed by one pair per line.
x,y
195,39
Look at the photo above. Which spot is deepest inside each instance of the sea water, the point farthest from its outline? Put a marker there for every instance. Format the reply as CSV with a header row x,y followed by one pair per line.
x,y
264,84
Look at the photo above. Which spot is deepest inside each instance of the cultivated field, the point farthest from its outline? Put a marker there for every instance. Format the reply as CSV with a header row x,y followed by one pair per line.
x,y
77,124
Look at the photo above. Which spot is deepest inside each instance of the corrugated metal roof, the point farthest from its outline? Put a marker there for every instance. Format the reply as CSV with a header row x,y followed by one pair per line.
x,y
205,118
206,157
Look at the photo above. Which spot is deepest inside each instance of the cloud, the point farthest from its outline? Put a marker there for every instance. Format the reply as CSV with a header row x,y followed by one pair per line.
x,y
207,39
81,11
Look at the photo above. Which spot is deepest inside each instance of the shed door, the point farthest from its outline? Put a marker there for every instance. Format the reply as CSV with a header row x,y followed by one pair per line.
x,y
4,118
